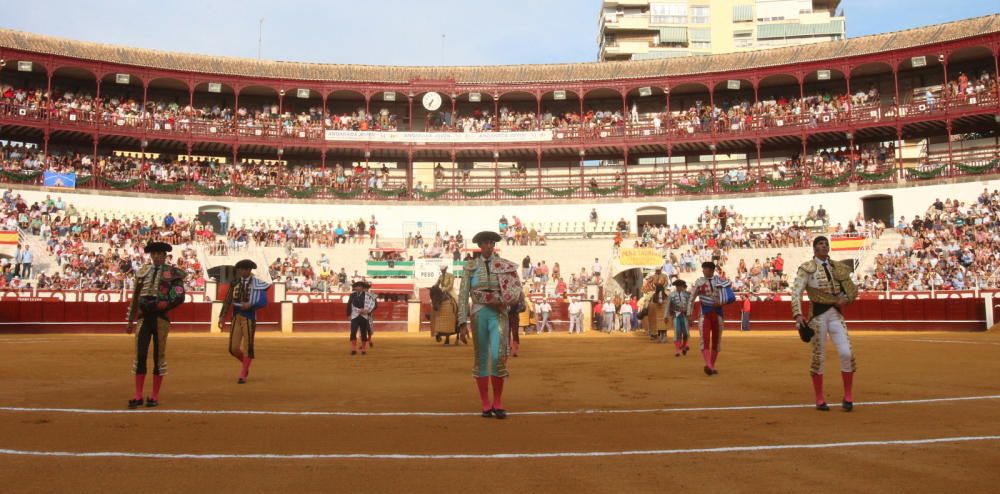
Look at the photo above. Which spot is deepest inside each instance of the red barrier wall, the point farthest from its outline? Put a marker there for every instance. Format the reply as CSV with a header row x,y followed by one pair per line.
x,y
332,316
50,315
30,316
966,314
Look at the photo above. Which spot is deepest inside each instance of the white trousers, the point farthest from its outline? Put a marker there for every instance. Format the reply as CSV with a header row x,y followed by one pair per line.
x,y
575,323
831,324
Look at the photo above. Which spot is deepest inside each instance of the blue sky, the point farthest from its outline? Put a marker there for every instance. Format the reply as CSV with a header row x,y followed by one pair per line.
x,y
394,32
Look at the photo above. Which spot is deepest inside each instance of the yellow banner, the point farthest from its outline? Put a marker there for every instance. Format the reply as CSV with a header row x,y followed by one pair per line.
x,y
643,256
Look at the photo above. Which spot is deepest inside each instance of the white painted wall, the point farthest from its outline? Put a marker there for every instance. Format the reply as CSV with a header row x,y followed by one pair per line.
x,y
842,207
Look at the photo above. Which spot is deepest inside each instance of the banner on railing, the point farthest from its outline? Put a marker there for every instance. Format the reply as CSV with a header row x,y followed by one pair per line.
x,y
65,180
8,237
847,243
642,256
438,137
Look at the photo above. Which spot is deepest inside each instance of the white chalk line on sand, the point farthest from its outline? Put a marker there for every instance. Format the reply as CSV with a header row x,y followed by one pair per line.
x,y
962,342
455,414
493,456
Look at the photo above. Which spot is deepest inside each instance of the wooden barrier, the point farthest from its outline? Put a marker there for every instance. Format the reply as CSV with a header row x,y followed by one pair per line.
x,y
50,314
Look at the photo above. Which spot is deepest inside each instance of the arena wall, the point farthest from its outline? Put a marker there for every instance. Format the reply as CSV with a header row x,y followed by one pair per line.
x,y
57,316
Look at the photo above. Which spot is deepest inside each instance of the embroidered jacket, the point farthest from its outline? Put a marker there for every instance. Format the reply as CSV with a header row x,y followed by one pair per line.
x,y
251,297
812,279
361,304
707,291
678,302
488,281
169,290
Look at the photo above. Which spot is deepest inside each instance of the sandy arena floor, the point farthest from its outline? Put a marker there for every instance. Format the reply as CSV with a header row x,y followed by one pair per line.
x,y
633,417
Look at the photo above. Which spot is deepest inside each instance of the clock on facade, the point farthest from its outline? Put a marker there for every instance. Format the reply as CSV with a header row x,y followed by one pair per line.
x,y
432,101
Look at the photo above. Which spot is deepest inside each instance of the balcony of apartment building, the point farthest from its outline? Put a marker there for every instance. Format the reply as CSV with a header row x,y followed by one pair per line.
x,y
808,28
628,22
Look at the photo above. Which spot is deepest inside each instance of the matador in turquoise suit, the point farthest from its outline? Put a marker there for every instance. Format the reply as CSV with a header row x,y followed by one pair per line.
x,y
493,286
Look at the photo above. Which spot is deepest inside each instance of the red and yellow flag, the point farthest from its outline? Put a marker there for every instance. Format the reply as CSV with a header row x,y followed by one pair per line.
x,y
847,243
8,237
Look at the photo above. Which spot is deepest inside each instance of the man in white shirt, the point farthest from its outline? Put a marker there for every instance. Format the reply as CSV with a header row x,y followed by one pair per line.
x,y
544,309
669,269
575,316
608,309
596,268
626,316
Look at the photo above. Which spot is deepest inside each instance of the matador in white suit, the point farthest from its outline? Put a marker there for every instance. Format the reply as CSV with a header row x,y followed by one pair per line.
x,y
830,289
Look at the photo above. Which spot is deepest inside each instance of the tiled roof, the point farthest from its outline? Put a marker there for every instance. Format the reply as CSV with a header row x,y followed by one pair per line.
x,y
499,74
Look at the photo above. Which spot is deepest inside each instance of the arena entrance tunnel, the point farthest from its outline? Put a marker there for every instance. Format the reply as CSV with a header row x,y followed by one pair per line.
x,y
629,270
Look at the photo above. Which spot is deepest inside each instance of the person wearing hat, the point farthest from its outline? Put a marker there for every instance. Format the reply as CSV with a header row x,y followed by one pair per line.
x,y
830,289
678,316
656,310
159,288
360,306
246,295
493,286
712,292
444,310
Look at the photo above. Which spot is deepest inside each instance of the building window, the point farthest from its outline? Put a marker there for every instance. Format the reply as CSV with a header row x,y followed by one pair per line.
x,y
668,13
701,45
609,40
699,14
743,39
743,13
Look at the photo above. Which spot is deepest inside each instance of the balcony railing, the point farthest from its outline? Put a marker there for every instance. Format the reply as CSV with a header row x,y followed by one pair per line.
x,y
573,183
682,127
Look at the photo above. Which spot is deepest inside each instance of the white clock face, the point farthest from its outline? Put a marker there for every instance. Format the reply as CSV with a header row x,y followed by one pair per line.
x,y
432,101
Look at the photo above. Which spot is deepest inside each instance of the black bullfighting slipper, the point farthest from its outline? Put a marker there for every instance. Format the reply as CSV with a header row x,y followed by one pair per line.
x,y
487,413
823,407
151,402
708,371
500,413
847,405
241,381
133,404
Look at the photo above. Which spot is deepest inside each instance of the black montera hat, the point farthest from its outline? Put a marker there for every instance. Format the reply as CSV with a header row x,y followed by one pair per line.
x,y
246,264
708,264
157,247
486,236
361,283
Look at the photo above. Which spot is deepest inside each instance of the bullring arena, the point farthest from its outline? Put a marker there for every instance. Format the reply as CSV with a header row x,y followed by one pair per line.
x,y
594,176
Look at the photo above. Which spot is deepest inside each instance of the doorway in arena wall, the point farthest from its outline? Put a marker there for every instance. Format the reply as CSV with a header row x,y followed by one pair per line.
x,y
654,215
878,207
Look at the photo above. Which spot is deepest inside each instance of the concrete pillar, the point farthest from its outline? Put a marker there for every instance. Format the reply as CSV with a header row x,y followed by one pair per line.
x,y
413,316
279,292
588,315
211,287
287,313
989,310
216,307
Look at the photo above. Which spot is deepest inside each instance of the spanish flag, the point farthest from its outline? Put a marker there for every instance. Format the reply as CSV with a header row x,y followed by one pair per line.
x,y
841,244
8,237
